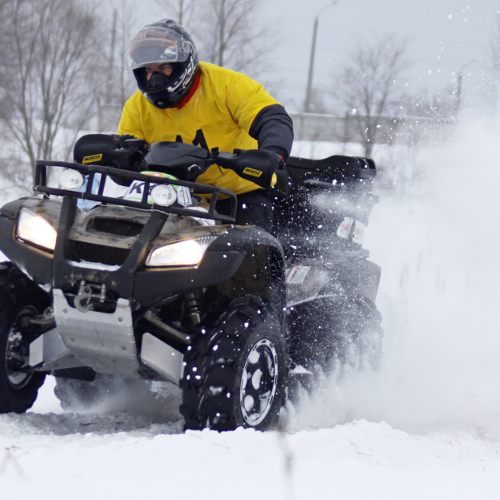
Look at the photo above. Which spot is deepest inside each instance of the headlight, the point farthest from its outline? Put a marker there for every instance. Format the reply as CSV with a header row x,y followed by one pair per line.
x,y
35,229
71,179
164,195
182,253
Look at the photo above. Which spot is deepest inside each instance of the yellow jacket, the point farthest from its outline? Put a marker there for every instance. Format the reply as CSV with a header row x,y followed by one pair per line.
x,y
218,115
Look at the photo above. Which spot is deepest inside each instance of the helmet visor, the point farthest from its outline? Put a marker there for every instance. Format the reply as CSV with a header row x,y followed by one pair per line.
x,y
157,44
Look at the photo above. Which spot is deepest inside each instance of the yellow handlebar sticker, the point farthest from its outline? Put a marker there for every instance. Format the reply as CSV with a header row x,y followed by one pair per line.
x,y
91,159
252,172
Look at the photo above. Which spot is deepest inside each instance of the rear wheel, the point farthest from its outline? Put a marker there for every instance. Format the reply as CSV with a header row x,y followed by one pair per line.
x,y
343,328
18,383
235,371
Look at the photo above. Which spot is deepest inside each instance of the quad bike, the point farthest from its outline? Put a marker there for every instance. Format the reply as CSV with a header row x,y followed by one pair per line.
x,y
156,285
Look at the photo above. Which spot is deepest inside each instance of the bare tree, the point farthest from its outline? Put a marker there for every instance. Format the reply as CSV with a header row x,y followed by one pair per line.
x,y
182,11
49,73
120,83
369,85
229,35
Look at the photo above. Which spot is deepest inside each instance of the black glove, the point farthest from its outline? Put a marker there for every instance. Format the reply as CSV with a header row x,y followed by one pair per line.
x,y
281,164
283,184
129,155
126,141
119,140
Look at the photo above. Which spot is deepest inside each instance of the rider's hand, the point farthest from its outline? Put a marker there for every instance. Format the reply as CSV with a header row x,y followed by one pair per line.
x,y
280,160
126,141
119,140
281,165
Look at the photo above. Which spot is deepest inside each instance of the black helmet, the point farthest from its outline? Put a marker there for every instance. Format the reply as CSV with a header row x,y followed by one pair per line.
x,y
164,42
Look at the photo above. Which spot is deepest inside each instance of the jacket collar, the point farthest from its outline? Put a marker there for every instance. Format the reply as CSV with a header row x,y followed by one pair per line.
x,y
191,92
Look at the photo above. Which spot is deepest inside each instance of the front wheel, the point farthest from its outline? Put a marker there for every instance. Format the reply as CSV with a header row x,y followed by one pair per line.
x,y
18,383
235,372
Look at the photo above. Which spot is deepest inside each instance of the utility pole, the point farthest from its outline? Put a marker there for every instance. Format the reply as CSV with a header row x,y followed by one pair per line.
x,y
307,103
459,84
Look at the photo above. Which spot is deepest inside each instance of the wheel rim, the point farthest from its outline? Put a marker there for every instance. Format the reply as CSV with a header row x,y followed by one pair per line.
x,y
259,382
17,352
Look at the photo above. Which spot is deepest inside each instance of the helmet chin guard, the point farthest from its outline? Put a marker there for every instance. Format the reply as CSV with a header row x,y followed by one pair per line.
x,y
163,42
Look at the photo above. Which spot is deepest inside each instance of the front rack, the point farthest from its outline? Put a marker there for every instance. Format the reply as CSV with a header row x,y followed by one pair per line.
x,y
41,187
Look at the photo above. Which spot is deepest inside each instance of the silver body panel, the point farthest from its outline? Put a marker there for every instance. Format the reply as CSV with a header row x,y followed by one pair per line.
x,y
50,353
103,341
163,359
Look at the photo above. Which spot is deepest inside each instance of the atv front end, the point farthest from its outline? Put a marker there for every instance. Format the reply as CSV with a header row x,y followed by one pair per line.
x,y
125,288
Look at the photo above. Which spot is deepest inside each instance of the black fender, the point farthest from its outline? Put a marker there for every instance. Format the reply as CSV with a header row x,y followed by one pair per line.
x,y
246,259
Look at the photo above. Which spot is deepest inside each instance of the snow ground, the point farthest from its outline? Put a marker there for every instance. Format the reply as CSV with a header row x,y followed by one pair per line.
x,y
426,426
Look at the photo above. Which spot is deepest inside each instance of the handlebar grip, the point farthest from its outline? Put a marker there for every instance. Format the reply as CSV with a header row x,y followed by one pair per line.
x,y
255,165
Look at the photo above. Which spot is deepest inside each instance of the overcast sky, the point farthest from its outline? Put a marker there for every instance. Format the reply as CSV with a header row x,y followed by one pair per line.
x,y
443,36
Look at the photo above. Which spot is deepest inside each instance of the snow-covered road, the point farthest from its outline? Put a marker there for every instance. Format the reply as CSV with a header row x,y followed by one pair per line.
x,y
60,456
427,426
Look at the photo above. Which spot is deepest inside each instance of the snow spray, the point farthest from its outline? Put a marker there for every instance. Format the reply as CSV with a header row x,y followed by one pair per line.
x,y
438,244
